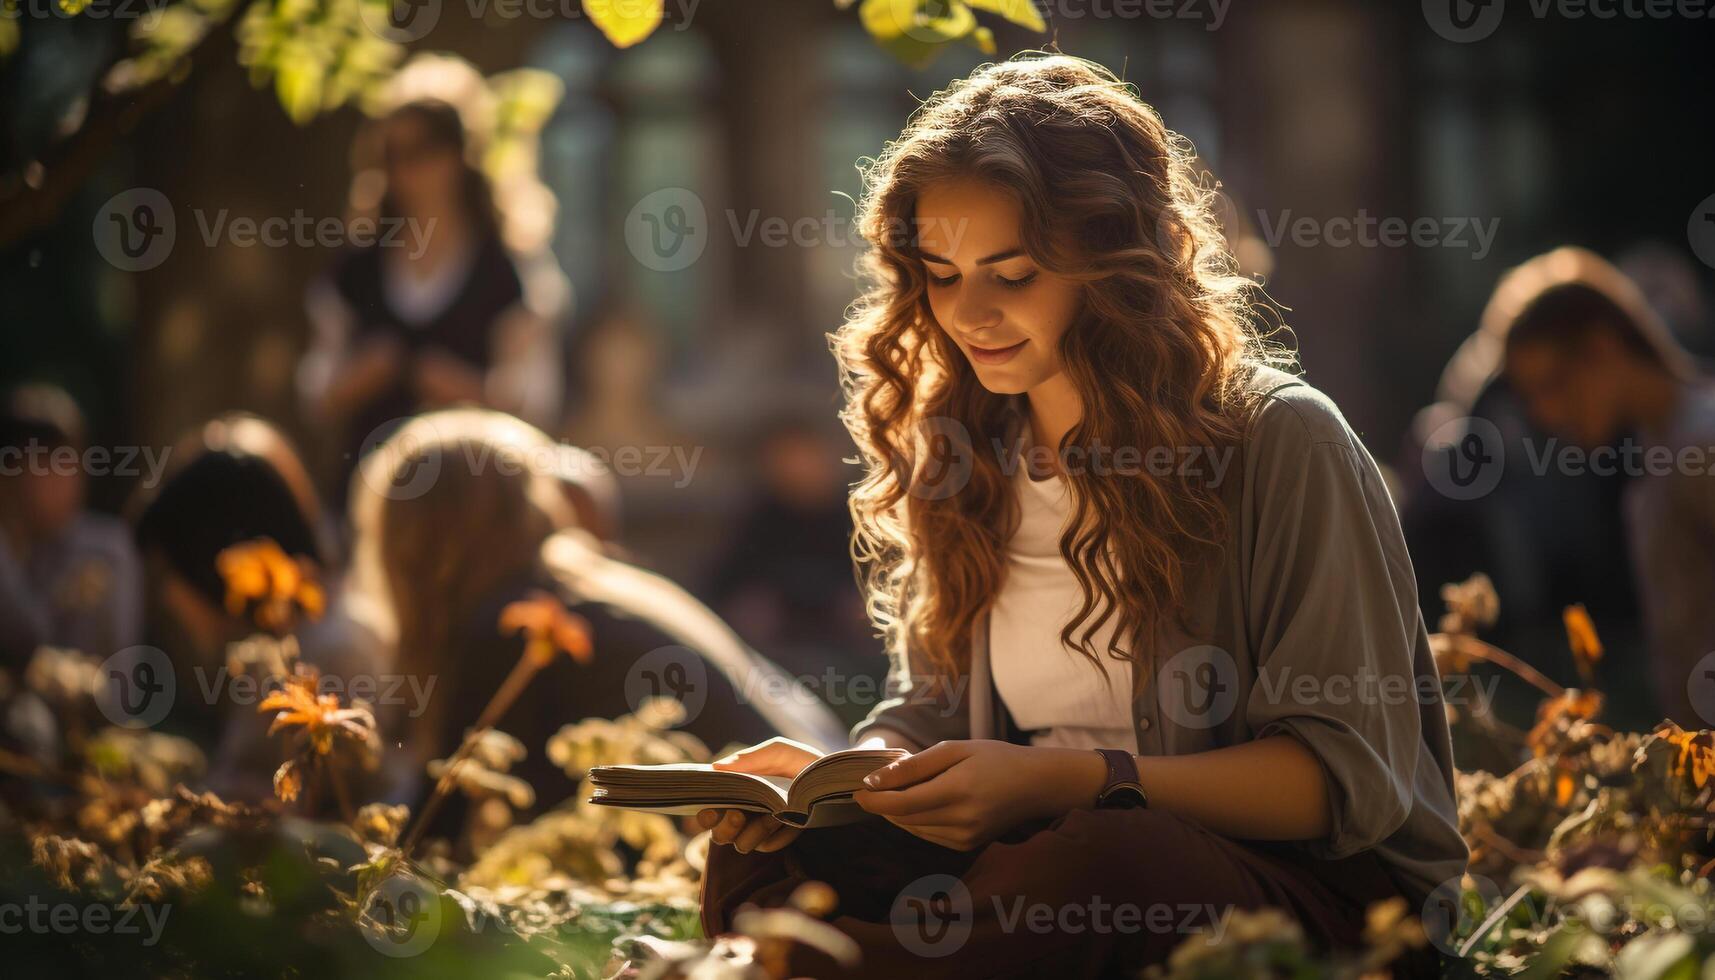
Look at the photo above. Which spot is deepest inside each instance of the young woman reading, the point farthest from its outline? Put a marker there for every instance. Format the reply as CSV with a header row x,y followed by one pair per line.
x,y
1174,662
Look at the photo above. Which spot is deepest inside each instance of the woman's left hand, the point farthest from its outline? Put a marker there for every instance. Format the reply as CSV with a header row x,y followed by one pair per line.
x,y
442,380
964,794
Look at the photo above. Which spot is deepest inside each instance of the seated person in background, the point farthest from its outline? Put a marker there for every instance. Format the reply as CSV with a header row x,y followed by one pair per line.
x,y
461,513
1592,363
234,480
68,577
451,316
785,580
591,491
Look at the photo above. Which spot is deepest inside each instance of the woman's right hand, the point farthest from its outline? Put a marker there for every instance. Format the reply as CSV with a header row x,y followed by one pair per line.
x,y
749,831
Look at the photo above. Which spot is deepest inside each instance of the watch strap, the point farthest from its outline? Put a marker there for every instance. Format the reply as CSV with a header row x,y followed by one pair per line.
x,y
1122,787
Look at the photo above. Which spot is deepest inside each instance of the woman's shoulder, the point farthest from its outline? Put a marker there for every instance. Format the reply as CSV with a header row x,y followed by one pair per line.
x,y
1289,414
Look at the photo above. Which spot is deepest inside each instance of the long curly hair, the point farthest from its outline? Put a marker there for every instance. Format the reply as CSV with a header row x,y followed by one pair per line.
x,y
1159,352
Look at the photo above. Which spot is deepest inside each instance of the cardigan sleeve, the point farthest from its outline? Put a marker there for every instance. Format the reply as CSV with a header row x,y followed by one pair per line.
x,y
912,705
1333,617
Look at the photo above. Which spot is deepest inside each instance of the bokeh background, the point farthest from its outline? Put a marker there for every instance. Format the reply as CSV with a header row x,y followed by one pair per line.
x,y
1546,126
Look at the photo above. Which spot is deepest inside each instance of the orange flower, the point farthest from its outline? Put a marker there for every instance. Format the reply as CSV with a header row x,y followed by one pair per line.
x,y
1581,636
274,586
319,718
1557,715
548,628
1696,759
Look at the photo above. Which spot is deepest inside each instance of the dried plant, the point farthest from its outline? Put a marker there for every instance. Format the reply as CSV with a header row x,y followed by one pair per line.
x,y
1584,824
319,725
549,629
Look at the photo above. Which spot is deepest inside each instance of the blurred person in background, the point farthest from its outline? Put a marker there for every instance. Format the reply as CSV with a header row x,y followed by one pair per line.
x,y
1594,364
234,480
592,492
460,514
441,313
785,581
68,577
1671,282
1547,537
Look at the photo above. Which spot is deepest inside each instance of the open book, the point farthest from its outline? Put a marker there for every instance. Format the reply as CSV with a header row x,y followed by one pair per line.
x,y
821,796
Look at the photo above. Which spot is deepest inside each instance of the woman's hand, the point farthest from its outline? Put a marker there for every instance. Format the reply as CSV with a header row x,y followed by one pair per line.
x,y
365,373
965,794
748,831
441,379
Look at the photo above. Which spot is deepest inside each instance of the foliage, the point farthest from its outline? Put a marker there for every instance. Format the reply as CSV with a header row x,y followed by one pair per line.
x,y
1590,856
320,55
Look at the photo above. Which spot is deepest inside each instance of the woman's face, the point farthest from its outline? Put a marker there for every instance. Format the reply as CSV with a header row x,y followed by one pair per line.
x,y
1003,311
422,175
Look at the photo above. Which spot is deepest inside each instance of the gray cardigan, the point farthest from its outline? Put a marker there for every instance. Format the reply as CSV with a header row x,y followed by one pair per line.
x,y
1306,624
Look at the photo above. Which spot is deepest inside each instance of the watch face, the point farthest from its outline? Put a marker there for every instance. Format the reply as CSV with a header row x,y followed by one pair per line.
x,y
1123,796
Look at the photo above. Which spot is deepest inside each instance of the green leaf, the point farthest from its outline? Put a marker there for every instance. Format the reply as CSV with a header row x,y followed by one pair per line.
x,y
983,38
1658,956
625,22
915,31
1020,12
1555,954
298,83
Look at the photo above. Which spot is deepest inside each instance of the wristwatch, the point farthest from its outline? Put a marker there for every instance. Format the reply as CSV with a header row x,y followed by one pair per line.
x,y
1122,790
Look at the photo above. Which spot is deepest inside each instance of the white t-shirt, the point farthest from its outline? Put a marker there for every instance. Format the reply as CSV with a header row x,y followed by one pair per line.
x,y
1045,683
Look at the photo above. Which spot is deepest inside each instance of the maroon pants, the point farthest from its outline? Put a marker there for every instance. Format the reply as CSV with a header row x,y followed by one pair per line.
x,y
1094,893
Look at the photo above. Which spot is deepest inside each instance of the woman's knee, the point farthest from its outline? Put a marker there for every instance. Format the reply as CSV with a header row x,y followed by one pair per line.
x,y
730,879
1135,854
1123,842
